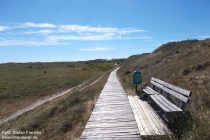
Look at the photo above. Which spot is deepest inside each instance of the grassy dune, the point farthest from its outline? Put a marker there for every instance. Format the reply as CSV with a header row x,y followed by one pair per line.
x,y
22,84
63,118
185,64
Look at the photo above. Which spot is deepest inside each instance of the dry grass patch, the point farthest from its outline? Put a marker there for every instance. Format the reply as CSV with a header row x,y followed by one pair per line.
x,y
64,118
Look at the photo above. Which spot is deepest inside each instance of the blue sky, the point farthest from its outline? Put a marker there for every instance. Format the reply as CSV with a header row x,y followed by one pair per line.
x,y
71,30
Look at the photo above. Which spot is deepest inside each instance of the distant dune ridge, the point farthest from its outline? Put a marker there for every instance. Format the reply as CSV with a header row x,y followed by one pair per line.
x,y
185,64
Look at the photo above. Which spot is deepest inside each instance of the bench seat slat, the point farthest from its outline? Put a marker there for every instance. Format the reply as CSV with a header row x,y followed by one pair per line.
x,y
154,98
152,90
158,97
165,99
149,92
146,91
173,93
175,88
169,104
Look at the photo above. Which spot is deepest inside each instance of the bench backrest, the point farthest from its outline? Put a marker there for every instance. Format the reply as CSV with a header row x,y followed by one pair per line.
x,y
177,92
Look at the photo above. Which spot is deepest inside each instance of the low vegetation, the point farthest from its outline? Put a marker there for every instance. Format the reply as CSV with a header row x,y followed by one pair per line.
x,y
63,118
185,64
24,83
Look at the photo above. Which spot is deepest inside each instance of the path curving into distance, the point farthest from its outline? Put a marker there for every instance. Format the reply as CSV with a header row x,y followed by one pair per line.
x,y
45,100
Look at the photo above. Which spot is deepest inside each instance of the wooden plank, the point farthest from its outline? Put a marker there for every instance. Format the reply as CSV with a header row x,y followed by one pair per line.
x,y
127,117
146,91
152,90
142,119
108,101
175,88
113,94
141,130
111,134
108,97
111,110
170,103
113,104
156,119
111,129
107,121
103,105
124,118
148,123
158,124
111,137
107,93
104,114
171,92
113,87
114,135
114,98
112,90
151,125
154,98
158,97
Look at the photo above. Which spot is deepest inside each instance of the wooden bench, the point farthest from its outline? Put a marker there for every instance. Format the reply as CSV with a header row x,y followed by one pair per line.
x,y
172,100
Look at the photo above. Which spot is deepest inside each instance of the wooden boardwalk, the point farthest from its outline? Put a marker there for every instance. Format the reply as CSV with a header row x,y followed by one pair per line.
x,y
112,117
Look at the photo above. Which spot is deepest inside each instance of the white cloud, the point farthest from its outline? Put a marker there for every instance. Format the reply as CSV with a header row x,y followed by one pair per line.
x,y
36,25
51,33
27,42
80,29
138,37
106,36
3,28
94,49
44,32
204,37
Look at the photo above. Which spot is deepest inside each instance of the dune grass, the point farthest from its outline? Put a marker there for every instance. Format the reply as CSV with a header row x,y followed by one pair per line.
x,y
63,118
22,84
185,64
